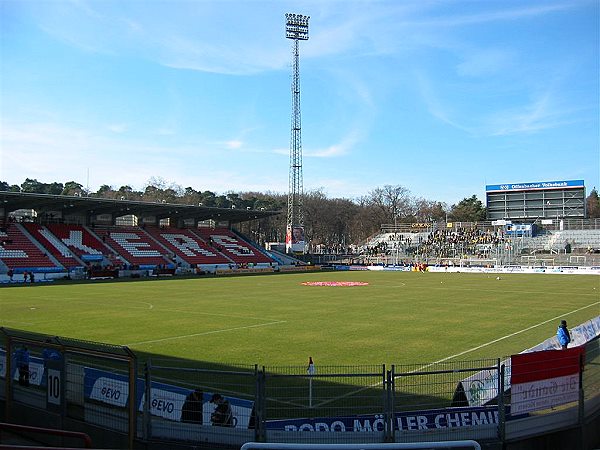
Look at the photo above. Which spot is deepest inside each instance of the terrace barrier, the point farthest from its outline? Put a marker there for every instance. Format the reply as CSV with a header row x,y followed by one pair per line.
x,y
87,442
97,388
45,382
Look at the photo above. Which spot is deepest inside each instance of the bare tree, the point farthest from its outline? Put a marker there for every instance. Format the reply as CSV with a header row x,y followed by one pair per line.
x,y
430,210
332,222
394,202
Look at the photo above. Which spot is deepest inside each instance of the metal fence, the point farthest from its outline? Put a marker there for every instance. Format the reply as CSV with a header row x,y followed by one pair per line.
x,y
193,403
55,378
300,402
560,223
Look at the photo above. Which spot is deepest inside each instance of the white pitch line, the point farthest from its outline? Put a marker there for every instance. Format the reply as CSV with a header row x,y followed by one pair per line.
x,y
462,353
512,334
202,313
150,305
225,330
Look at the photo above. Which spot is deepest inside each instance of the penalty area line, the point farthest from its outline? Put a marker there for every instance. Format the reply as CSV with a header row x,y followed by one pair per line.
x,y
224,330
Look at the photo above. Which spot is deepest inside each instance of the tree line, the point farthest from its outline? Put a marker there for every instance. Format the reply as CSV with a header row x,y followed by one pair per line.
x,y
331,222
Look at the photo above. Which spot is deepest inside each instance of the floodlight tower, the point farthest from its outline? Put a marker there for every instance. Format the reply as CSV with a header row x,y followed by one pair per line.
x,y
296,28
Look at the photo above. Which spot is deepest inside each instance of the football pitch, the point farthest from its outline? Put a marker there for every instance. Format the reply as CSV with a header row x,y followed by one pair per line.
x,y
276,320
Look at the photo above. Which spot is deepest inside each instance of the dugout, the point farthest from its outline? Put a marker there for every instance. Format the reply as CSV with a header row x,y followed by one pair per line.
x,y
537,200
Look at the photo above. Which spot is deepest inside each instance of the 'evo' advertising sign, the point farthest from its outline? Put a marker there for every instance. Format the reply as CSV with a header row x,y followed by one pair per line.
x,y
166,400
36,369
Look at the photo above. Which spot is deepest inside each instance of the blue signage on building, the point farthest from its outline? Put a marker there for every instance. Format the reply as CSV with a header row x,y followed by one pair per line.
x,y
568,184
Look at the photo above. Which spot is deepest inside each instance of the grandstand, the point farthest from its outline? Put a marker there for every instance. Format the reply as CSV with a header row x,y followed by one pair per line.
x,y
575,242
534,200
65,235
62,247
579,240
61,235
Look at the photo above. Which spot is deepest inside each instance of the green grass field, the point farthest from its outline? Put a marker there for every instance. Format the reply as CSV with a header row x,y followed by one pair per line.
x,y
399,318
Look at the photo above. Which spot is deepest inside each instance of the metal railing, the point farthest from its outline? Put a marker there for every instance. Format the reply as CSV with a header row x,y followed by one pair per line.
x,y
59,378
185,401
556,224
87,441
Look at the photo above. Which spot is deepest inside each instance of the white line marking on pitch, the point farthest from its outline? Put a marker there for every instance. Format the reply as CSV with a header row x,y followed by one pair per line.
x,y
202,313
512,334
462,353
225,330
150,305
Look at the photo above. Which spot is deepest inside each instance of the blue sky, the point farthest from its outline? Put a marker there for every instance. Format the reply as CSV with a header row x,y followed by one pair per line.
x,y
442,97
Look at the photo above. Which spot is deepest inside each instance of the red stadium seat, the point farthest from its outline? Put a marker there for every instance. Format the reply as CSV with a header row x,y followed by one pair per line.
x,y
188,246
233,246
18,251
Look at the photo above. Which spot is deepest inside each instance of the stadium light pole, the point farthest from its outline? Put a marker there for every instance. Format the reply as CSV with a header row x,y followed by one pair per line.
x,y
296,28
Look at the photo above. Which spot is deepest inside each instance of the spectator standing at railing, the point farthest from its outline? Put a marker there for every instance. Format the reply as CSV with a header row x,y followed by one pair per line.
x,y
222,415
191,411
50,354
22,363
564,337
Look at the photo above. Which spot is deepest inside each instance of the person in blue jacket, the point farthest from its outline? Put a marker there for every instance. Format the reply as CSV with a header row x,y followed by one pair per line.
x,y
50,354
564,338
22,363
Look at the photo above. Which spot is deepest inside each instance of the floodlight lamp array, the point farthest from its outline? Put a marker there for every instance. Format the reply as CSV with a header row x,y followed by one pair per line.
x,y
296,26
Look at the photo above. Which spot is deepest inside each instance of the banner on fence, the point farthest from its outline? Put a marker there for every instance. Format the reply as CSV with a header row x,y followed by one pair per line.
x,y
546,379
106,387
166,400
482,387
571,270
409,421
36,369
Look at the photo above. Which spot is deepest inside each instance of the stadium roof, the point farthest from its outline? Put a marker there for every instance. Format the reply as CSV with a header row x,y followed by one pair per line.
x,y
70,205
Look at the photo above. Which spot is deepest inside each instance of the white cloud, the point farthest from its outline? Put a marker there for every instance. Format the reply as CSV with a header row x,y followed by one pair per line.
x,y
328,152
545,110
234,144
504,14
542,113
50,152
332,151
434,104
